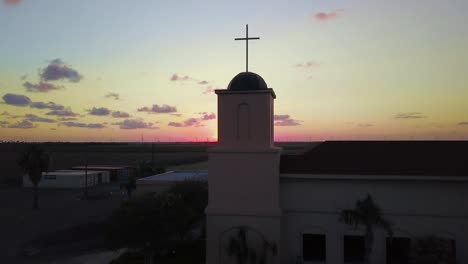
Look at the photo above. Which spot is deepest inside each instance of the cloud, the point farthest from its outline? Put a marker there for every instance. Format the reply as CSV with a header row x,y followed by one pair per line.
x,y
48,105
62,113
280,117
164,109
175,124
4,124
187,123
308,65
114,96
25,124
207,116
101,111
194,122
58,70
285,120
67,118
208,90
364,125
176,77
11,2
203,82
118,114
324,16
23,77
410,115
16,99
83,125
35,118
41,87
96,125
135,124
463,123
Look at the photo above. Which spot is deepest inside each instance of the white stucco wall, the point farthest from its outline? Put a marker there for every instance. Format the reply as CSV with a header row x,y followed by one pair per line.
x,y
416,205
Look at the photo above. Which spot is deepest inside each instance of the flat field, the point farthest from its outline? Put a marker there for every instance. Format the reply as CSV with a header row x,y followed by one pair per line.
x,y
66,155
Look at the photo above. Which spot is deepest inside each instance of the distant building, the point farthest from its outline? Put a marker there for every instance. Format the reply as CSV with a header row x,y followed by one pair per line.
x,y
117,173
294,201
102,176
65,179
161,182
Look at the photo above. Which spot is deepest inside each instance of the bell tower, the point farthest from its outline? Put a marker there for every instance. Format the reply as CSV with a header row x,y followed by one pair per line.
x,y
243,170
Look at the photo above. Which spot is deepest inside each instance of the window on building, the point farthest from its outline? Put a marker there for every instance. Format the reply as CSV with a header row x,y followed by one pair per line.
x,y
313,247
354,249
398,250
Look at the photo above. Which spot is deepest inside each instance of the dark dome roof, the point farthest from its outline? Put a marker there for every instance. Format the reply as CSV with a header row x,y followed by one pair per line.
x,y
247,81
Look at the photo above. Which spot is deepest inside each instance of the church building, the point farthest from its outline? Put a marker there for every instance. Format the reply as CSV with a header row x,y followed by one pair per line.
x,y
277,208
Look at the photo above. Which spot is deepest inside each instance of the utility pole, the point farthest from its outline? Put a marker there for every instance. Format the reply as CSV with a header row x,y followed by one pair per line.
x,y
86,176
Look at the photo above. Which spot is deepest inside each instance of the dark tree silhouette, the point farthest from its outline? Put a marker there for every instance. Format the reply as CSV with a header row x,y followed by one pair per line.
x,y
157,225
238,247
34,160
367,214
433,250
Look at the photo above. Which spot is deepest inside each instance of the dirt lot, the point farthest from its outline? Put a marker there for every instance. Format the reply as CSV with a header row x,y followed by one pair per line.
x,y
65,223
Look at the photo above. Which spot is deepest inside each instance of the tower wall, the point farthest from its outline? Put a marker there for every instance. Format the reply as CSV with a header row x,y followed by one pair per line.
x,y
243,175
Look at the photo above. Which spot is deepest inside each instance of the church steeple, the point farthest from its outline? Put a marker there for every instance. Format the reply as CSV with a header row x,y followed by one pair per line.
x,y
245,113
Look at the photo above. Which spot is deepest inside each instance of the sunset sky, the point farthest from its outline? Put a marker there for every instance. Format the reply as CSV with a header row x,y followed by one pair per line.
x,y
122,70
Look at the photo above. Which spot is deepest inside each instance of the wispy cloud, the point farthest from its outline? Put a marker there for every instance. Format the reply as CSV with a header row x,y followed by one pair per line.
x,y
41,87
58,70
66,112
364,125
410,115
83,125
35,118
11,2
324,16
4,124
177,77
16,99
114,96
25,124
308,65
208,90
187,123
285,120
48,105
67,118
99,111
163,109
135,124
194,121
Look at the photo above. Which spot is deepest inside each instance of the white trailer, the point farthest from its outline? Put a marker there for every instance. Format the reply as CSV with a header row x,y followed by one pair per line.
x,y
63,179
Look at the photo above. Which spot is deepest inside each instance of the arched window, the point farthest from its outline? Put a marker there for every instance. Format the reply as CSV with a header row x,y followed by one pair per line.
x,y
243,122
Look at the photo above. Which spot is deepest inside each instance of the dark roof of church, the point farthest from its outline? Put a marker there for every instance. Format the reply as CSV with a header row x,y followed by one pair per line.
x,y
247,81
429,158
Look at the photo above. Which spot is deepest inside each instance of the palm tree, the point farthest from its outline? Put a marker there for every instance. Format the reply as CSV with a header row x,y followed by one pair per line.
x,y
34,160
366,213
239,248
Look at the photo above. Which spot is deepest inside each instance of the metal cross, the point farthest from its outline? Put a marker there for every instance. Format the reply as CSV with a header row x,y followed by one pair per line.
x,y
246,46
